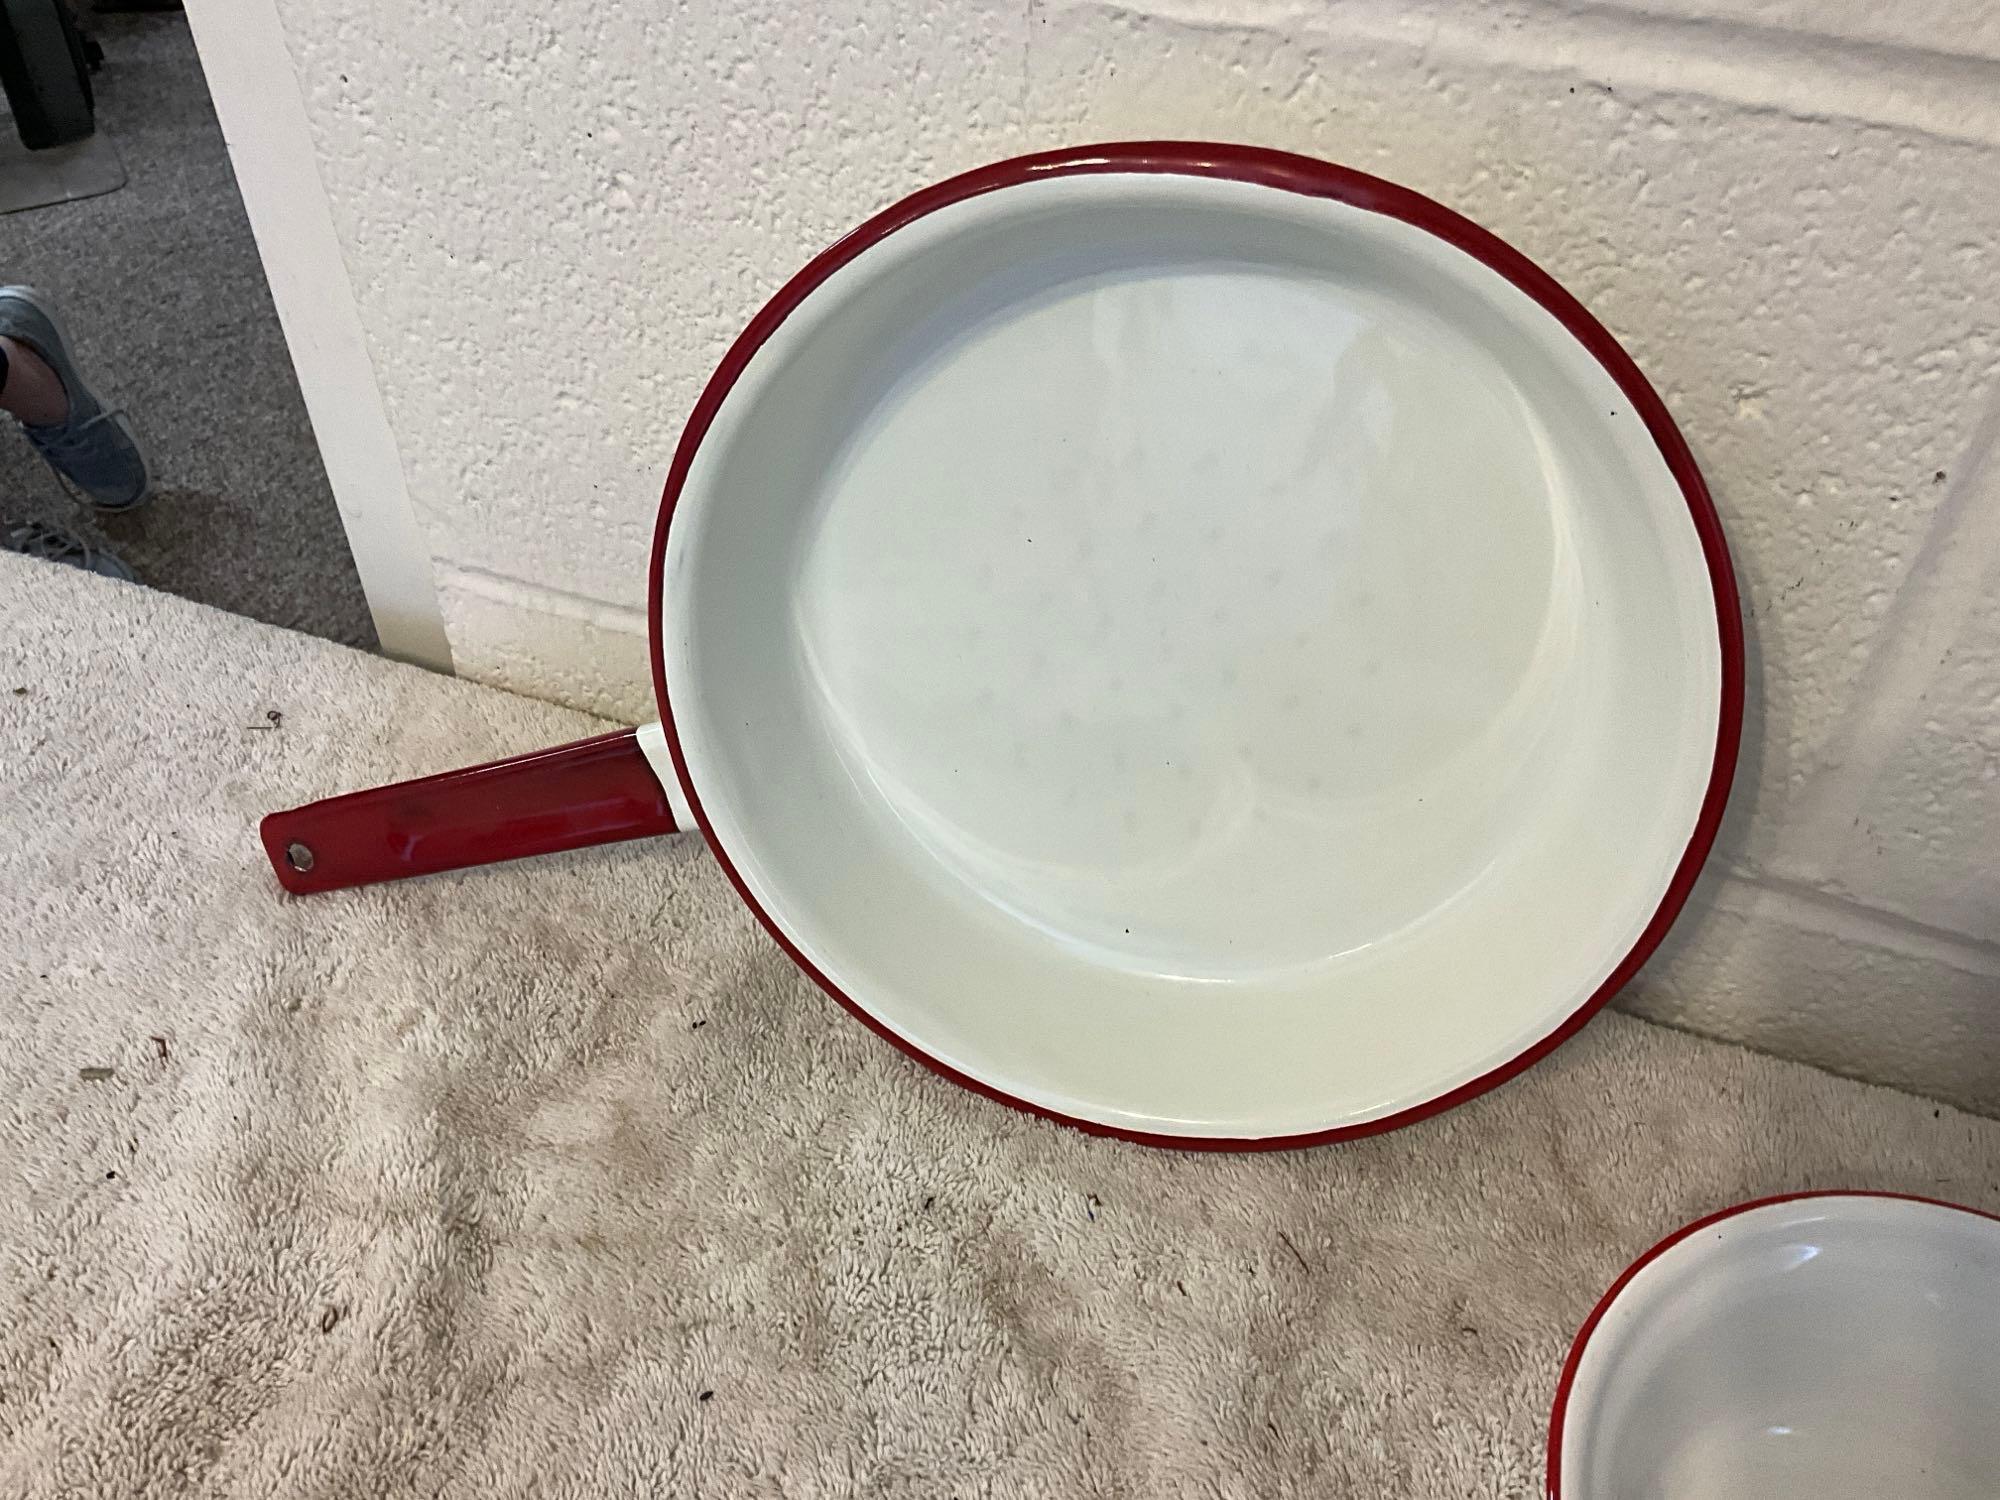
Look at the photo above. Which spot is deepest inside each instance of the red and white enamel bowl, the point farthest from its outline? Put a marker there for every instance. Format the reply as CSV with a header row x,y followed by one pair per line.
x,y
1189,640
1821,1346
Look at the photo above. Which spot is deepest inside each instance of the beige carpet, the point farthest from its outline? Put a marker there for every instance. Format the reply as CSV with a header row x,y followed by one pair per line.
x,y
554,1180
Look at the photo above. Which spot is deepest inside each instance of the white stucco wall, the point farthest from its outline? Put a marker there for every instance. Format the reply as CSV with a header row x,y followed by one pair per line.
x,y
554,217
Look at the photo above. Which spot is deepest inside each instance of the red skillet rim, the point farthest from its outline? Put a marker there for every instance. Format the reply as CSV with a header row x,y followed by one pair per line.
x,y
1315,178
1553,1465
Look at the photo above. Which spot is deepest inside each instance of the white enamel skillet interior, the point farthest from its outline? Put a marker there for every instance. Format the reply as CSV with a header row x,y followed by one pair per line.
x,y
1197,642
1820,1346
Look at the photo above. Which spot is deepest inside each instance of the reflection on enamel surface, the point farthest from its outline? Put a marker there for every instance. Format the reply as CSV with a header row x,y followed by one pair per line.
x,y
1834,1348
1218,674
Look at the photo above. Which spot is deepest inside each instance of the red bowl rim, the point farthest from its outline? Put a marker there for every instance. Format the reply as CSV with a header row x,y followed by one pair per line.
x,y
1559,1408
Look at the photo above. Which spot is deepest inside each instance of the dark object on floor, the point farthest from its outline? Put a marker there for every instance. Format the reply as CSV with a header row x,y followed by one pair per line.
x,y
53,544
91,446
45,73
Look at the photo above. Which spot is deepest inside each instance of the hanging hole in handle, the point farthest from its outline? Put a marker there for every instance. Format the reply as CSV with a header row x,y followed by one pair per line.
x,y
299,856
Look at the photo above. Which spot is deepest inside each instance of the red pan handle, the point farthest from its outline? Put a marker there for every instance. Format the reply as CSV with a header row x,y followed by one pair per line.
x,y
596,791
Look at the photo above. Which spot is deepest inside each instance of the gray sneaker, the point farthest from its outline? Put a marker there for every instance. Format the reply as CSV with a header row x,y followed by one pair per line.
x,y
52,544
93,449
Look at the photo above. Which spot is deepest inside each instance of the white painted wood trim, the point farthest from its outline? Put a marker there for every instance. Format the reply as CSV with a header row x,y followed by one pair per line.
x,y
258,100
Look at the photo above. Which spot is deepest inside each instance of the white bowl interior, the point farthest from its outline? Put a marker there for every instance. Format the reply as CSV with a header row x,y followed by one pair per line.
x,y
1839,1348
1194,656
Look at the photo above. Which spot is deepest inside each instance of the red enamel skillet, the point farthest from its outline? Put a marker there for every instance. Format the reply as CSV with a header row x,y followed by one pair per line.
x,y
1190,640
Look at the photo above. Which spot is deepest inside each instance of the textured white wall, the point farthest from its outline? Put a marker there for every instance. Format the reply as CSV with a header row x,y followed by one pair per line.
x,y
554,217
